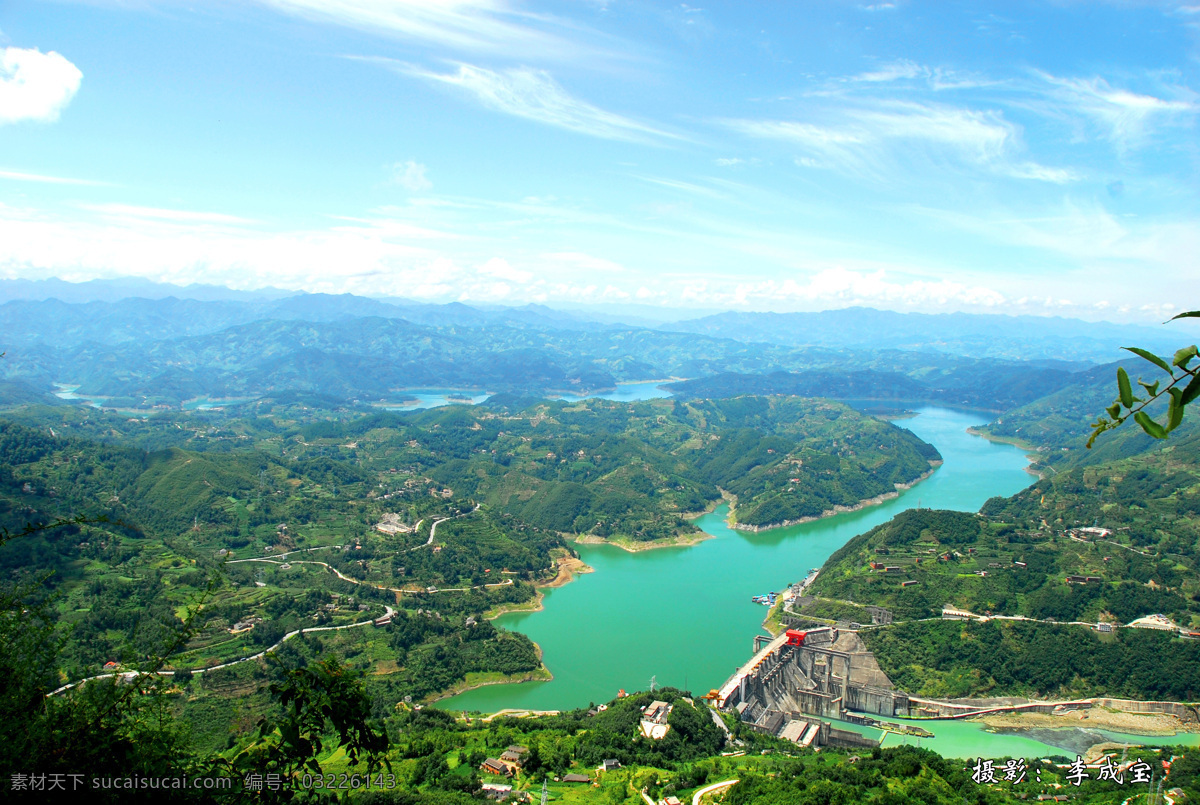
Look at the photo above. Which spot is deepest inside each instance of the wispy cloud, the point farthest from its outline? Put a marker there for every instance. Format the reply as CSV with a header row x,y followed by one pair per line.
x,y
535,95
19,176
841,287
475,26
1126,117
35,85
881,139
841,147
982,135
1042,173
676,184
905,70
129,211
411,176
868,139
896,70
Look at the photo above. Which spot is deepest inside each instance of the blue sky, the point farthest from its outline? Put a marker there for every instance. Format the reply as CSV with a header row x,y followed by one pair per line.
x,y
1003,157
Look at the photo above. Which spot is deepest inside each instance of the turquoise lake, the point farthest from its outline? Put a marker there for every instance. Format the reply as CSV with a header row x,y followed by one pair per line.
x,y
683,615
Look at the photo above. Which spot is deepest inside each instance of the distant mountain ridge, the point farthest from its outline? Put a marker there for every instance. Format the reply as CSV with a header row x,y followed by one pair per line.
x,y
109,311
996,336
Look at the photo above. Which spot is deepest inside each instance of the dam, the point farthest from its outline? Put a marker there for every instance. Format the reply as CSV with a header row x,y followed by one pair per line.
x,y
798,680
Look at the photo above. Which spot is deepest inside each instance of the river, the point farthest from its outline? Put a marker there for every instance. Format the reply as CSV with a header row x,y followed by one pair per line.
x,y
684,617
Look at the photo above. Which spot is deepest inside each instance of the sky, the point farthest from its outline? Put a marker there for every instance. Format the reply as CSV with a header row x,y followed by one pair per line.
x,y
985,157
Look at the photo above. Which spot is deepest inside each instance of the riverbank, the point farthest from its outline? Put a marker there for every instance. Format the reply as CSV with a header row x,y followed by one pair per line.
x,y
836,510
1148,724
635,546
1031,450
476,680
568,568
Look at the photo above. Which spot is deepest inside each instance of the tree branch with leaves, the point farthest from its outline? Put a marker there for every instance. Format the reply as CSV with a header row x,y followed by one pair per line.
x,y
1181,391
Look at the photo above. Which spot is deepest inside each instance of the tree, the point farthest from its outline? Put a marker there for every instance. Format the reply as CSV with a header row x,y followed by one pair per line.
x,y
317,700
105,728
1183,389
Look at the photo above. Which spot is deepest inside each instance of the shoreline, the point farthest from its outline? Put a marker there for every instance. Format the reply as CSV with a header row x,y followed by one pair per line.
x,y
862,504
1029,448
541,674
632,546
568,568
652,380
1149,725
682,541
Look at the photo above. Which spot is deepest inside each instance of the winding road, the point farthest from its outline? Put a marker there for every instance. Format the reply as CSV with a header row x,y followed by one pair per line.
x,y
131,675
708,789
278,560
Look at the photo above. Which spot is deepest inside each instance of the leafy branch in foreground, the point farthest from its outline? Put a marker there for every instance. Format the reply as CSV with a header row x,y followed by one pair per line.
x,y
1183,389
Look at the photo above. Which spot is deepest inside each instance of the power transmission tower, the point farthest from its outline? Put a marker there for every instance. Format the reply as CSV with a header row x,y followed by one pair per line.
x,y
545,793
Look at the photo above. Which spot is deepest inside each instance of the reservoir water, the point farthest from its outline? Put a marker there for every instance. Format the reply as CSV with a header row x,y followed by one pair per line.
x,y
683,615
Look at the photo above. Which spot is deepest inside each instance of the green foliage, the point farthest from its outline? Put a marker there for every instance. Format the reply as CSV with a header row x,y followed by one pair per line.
x,y
900,775
962,659
317,700
1181,391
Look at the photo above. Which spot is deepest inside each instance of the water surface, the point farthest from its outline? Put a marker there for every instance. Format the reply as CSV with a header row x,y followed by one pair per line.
x,y
684,616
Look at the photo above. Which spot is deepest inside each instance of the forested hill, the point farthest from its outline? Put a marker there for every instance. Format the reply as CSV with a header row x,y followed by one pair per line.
x,y
143,354
1150,504
180,493
1030,556
939,381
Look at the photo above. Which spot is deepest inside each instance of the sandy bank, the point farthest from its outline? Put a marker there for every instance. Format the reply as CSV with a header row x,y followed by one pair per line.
x,y
1149,724
568,568
541,674
633,546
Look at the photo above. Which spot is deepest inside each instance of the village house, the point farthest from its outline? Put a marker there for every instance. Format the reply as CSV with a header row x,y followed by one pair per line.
x,y
495,766
512,760
497,791
654,720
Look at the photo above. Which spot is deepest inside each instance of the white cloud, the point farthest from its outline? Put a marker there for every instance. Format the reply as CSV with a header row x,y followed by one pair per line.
x,y
535,95
1126,117
585,262
676,184
498,267
841,287
135,213
1032,170
483,26
726,162
878,139
841,146
981,134
18,176
35,85
902,69
411,176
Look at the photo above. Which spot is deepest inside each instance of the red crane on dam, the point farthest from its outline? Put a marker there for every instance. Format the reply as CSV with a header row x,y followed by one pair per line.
x,y
795,637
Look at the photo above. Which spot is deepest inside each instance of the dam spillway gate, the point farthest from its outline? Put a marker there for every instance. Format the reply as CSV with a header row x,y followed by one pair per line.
x,y
798,679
